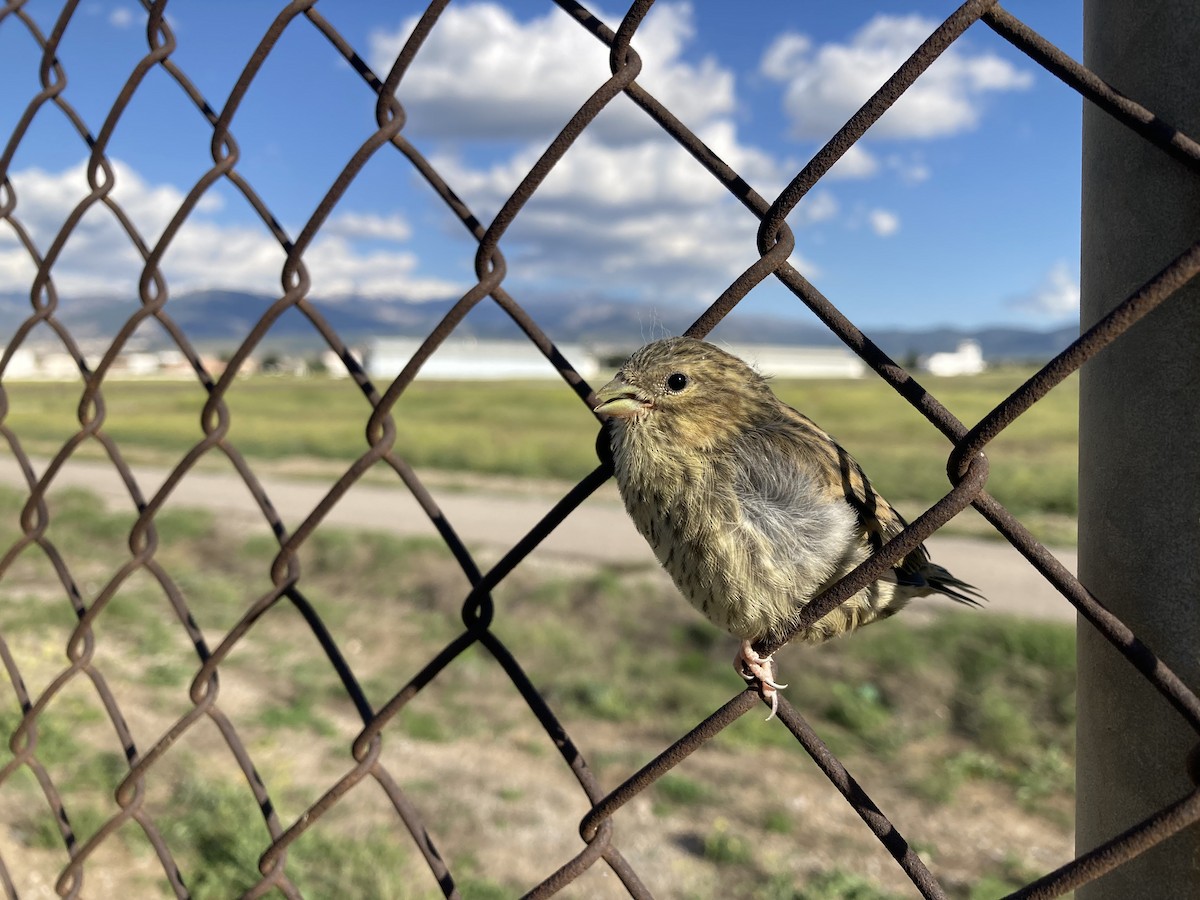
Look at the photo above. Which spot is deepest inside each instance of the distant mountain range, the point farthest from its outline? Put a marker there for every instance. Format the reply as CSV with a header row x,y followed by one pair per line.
x,y
217,320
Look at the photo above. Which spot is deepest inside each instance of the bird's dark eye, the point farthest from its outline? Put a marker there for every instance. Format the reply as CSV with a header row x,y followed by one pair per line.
x,y
677,382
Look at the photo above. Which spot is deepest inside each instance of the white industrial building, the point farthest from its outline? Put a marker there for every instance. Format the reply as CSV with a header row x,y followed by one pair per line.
x,y
22,364
469,359
799,362
966,360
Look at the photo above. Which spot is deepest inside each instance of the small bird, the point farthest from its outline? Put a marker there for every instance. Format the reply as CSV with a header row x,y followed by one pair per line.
x,y
751,508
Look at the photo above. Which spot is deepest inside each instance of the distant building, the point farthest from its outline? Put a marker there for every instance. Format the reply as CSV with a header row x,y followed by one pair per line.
x,y
136,365
966,360
335,367
800,362
468,359
174,362
58,366
213,365
22,364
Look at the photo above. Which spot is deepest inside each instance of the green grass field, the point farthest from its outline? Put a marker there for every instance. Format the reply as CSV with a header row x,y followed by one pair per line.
x,y
541,430
939,718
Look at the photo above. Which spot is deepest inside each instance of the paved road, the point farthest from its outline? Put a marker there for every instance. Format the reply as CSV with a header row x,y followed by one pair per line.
x,y
598,532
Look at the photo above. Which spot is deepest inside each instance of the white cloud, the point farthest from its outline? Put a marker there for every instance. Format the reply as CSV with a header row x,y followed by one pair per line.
x,y
856,162
625,204
825,85
594,177
911,169
818,206
883,222
120,17
784,55
99,258
1055,297
644,217
480,66
642,212
368,225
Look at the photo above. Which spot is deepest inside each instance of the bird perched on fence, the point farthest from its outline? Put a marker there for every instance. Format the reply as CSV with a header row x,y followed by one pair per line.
x,y
750,507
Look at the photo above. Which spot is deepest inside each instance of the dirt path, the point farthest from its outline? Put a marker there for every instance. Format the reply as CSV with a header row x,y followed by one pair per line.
x,y
598,532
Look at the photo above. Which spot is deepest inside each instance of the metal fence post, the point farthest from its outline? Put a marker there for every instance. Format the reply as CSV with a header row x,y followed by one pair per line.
x,y
1139,504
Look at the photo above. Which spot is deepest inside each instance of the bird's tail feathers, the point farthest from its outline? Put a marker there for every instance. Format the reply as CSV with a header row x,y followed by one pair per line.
x,y
942,582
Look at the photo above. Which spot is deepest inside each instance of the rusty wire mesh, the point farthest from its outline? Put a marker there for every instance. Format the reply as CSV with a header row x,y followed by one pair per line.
x,y
967,465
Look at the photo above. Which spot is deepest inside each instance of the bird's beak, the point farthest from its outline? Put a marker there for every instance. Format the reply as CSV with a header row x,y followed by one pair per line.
x,y
618,399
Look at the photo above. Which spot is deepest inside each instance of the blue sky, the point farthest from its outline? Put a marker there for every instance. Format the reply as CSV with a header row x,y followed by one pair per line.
x,y
961,206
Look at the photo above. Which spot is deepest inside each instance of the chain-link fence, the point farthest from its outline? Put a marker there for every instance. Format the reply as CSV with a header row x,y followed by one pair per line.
x,y
601,842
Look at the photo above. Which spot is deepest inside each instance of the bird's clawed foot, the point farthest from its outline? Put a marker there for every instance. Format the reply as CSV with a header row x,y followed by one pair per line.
x,y
750,665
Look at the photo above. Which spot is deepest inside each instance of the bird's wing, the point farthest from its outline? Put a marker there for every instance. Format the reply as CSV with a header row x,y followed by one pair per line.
x,y
780,501
877,518
794,443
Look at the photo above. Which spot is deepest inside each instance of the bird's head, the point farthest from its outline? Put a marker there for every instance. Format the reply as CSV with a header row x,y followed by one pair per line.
x,y
686,384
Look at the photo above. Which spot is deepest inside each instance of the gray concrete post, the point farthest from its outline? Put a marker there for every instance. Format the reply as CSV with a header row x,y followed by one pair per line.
x,y
1139,454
